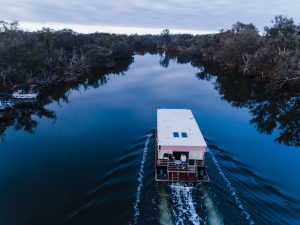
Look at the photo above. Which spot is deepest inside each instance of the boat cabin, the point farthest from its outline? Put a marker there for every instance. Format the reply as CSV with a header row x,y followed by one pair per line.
x,y
180,147
25,91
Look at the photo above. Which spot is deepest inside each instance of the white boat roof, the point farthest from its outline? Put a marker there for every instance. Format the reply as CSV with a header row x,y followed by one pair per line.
x,y
170,121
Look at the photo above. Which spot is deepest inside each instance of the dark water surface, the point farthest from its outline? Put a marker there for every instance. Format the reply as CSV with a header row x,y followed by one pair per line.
x,y
93,162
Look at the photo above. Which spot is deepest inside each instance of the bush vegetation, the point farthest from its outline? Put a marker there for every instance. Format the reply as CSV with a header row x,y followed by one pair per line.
x,y
52,57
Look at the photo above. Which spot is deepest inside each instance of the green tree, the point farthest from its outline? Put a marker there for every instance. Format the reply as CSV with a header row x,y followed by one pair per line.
x,y
166,36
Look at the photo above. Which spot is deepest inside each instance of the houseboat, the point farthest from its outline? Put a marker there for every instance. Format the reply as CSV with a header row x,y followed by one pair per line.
x,y
179,147
25,91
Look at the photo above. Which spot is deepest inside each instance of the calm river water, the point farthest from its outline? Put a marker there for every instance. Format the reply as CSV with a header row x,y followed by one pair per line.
x,y
90,161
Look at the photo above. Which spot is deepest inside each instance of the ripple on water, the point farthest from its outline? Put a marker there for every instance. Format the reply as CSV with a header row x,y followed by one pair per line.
x,y
232,190
258,197
101,192
140,182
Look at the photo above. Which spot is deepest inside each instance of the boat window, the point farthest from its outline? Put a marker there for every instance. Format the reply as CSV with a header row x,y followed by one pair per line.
x,y
176,134
184,134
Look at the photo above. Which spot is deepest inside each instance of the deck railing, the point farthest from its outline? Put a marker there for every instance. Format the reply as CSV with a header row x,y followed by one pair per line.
x,y
177,170
166,162
181,167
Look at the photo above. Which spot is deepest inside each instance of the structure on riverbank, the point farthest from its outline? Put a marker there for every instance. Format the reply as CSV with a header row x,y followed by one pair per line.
x,y
179,147
25,91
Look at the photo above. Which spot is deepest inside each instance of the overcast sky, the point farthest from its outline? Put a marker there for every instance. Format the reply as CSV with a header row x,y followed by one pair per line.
x,y
199,15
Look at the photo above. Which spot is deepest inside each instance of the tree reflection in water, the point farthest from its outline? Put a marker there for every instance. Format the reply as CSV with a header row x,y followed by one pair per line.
x,y
268,110
24,113
22,116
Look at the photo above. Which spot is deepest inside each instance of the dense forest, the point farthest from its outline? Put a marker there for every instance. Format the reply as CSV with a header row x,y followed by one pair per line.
x,y
49,57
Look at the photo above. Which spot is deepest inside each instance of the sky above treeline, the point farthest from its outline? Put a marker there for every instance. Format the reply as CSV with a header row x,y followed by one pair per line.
x,y
146,16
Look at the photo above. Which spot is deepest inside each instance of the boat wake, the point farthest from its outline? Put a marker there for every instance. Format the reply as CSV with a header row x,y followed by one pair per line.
x,y
232,190
180,206
140,182
165,217
184,209
213,217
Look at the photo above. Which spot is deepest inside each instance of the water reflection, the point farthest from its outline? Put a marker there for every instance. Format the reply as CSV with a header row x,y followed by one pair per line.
x,y
88,169
268,110
22,115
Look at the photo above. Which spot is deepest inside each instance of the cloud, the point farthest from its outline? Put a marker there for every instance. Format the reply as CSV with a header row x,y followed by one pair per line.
x,y
188,14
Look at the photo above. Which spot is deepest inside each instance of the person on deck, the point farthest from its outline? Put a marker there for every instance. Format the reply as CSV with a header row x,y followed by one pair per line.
x,y
183,158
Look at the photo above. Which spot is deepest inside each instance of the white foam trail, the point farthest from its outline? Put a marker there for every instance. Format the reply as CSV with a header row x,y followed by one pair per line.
x,y
213,217
140,182
232,190
184,206
165,217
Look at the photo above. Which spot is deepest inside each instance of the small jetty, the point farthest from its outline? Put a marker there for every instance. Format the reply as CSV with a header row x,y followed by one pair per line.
x,y
179,147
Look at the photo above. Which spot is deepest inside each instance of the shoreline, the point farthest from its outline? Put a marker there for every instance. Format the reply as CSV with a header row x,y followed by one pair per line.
x,y
50,57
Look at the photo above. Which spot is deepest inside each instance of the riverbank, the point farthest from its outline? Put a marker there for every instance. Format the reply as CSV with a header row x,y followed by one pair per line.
x,y
271,58
49,57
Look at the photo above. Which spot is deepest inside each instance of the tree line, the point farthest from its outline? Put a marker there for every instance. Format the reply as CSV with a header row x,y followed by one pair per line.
x,y
271,57
49,57
53,57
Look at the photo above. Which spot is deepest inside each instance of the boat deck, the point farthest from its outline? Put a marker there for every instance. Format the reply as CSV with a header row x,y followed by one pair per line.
x,y
172,171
